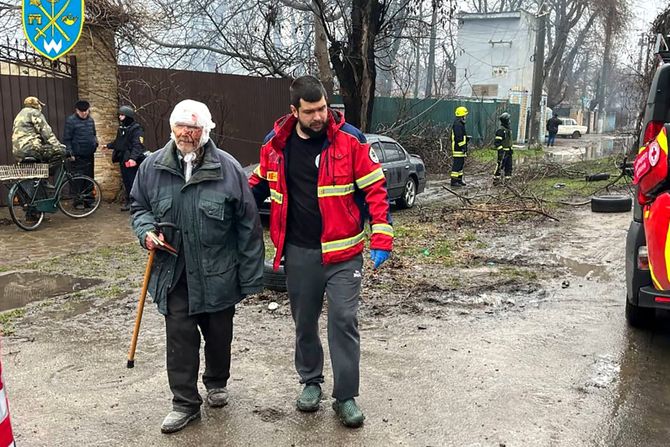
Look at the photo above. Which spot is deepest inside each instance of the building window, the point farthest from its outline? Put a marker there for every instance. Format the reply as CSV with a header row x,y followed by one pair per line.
x,y
485,90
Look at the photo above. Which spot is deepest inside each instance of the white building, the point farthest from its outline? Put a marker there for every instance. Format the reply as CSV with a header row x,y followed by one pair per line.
x,y
494,60
494,54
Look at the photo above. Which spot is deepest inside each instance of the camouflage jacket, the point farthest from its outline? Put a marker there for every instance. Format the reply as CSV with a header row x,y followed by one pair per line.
x,y
30,128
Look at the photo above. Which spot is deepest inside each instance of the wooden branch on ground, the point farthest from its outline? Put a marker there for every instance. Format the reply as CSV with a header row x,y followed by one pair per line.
x,y
520,210
463,199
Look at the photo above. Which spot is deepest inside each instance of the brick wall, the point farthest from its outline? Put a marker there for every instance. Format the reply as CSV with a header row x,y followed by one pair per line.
x,y
97,78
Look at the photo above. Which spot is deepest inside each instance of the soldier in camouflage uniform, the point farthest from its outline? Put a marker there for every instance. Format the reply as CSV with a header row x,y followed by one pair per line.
x,y
32,136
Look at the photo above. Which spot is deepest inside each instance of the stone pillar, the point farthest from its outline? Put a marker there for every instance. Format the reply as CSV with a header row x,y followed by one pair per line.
x,y
97,82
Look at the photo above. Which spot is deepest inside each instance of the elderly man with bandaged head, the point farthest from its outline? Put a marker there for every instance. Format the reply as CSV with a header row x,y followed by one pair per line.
x,y
203,191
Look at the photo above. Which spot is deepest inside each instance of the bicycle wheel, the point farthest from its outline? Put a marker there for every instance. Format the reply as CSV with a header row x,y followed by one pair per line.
x,y
79,196
21,208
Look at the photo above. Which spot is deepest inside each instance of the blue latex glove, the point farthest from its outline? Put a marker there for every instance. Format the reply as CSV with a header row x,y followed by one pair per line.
x,y
379,257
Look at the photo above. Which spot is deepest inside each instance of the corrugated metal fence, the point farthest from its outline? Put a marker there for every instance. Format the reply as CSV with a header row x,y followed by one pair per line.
x,y
406,115
243,108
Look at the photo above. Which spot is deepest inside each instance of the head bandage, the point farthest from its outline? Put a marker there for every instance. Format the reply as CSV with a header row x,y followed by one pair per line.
x,y
193,113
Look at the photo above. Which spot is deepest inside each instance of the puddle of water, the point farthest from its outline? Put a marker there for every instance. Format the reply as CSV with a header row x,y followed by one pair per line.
x,y
583,150
20,288
583,270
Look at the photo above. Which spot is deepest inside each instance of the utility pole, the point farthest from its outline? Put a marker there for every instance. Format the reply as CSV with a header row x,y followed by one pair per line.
x,y
538,76
417,71
431,52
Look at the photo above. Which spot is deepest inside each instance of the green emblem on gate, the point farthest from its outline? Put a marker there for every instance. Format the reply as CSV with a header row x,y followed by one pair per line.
x,y
53,27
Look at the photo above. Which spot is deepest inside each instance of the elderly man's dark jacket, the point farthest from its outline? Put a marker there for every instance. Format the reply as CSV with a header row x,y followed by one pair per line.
x,y
220,236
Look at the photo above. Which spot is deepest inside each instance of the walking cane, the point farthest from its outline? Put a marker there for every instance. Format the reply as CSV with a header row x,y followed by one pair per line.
x,y
140,310
159,245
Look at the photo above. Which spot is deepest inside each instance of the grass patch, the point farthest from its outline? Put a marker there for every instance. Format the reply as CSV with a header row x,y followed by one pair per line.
x,y
115,262
489,154
469,236
8,318
561,188
517,273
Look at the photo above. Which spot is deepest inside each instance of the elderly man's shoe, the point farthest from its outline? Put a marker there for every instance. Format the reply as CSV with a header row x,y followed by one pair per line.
x,y
309,398
217,397
349,413
176,420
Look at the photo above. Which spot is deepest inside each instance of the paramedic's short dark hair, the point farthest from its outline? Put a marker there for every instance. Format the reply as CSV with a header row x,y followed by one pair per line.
x,y
308,88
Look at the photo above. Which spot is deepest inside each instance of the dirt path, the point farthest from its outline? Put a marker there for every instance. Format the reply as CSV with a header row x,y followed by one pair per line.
x,y
500,358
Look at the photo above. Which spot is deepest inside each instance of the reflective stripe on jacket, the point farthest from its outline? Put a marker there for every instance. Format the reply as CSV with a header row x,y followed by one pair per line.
x,y
459,139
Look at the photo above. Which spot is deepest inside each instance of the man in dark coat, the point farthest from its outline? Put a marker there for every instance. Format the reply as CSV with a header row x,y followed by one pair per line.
x,y
204,191
552,128
128,149
81,141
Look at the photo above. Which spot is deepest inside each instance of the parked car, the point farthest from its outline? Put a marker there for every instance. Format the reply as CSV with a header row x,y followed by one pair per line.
x,y
570,128
642,298
405,173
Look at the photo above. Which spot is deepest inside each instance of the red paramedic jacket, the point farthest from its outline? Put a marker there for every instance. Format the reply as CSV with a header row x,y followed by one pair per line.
x,y
348,167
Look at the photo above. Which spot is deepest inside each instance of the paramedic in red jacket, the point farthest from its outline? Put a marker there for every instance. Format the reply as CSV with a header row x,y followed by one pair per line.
x,y
320,174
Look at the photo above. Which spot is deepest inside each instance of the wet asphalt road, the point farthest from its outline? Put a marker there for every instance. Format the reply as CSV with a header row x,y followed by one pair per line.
x,y
564,370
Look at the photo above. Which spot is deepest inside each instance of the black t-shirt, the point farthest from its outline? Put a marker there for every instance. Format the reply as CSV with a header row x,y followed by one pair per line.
x,y
303,226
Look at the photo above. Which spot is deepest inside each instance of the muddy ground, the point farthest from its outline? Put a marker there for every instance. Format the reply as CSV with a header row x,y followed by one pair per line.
x,y
480,331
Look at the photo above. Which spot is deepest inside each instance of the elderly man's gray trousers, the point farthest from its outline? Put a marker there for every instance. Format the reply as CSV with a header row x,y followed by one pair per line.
x,y
307,280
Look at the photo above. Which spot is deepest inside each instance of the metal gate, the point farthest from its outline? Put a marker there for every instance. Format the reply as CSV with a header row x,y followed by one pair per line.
x,y
23,72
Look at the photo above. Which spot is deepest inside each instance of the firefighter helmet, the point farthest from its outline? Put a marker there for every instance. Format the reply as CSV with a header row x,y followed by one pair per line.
x,y
461,111
505,117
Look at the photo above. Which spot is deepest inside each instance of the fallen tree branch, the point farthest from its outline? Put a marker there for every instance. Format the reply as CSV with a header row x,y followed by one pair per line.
x,y
521,210
463,199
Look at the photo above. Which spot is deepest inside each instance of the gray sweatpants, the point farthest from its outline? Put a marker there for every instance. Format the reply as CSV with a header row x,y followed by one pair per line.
x,y
307,280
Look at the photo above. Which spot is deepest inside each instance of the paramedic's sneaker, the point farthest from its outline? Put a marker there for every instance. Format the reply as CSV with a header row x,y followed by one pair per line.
x,y
349,413
176,420
309,398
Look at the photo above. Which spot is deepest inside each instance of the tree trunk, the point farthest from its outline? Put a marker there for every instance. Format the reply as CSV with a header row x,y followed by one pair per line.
x,y
604,71
321,55
354,62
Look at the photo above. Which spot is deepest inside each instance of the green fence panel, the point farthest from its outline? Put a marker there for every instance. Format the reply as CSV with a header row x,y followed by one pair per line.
x,y
403,116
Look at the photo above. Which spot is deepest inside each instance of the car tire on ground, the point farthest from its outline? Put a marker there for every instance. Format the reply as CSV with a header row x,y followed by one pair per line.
x,y
611,204
639,317
408,197
274,280
576,134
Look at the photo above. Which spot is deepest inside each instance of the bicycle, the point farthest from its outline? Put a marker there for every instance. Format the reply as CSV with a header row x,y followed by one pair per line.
x,y
76,195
